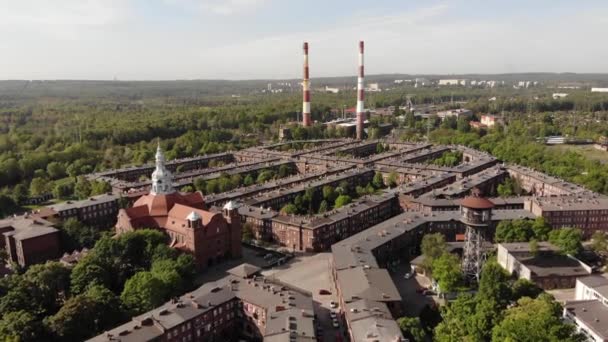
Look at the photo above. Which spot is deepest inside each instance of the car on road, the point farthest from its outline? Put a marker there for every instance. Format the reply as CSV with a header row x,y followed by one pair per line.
x,y
333,304
421,290
428,293
335,323
324,292
333,314
408,275
268,256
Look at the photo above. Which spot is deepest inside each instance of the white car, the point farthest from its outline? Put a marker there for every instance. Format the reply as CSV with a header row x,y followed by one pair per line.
x,y
407,275
333,314
333,304
335,323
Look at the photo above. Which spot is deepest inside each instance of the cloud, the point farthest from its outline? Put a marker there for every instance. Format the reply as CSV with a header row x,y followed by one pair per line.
x,y
222,7
63,19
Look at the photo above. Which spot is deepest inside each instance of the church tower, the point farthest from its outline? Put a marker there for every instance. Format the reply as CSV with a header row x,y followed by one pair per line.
x,y
162,179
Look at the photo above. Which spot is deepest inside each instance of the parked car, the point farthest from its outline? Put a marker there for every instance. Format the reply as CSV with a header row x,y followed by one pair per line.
x,y
333,314
335,323
408,275
324,292
333,304
268,256
428,293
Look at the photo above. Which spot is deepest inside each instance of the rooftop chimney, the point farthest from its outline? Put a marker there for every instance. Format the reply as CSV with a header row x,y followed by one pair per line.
x,y
306,119
360,95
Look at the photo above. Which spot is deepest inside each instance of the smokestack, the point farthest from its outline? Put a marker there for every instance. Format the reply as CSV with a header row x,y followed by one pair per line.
x,y
306,119
360,95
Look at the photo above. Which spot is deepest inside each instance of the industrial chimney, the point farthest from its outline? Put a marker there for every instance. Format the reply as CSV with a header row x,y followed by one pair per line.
x,y
306,119
360,95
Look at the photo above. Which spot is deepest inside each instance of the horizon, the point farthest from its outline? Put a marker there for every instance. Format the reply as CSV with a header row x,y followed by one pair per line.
x,y
299,79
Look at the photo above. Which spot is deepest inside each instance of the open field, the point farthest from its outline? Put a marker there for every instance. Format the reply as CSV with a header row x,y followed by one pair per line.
x,y
586,150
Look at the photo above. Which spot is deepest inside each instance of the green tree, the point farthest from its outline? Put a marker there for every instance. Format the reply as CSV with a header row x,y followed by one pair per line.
x,y
412,328
535,320
567,239
49,285
19,194
75,320
82,189
76,235
248,180
323,207
329,194
100,187
265,176
143,292
20,326
392,179
342,200
7,205
463,124
88,272
187,188
86,315
432,247
514,231
212,186
541,229
289,209
456,320
378,181
285,170
38,186
447,272
199,184
247,232
63,190
493,283
165,270
55,170
599,242
524,288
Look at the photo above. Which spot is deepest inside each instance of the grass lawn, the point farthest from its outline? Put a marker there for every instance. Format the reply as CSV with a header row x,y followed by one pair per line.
x,y
586,150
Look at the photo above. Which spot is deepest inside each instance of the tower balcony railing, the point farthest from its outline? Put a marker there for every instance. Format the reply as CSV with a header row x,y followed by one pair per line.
x,y
476,218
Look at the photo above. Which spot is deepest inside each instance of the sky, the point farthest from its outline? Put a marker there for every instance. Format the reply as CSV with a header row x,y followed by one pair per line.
x,y
262,39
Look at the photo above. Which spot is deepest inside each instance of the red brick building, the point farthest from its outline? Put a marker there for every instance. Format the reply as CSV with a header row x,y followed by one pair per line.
x,y
210,236
29,240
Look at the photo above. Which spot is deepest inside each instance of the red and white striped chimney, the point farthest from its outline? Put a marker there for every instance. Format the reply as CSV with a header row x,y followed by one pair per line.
x,y
306,119
360,95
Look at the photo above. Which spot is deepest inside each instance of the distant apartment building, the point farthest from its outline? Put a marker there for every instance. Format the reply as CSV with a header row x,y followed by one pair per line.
x,y
489,120
29,240
588,212
373,87
98,211
541,184
317,233
453,82
457,113
557,96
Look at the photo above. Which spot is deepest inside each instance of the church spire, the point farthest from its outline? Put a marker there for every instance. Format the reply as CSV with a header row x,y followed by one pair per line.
x,y
162,179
